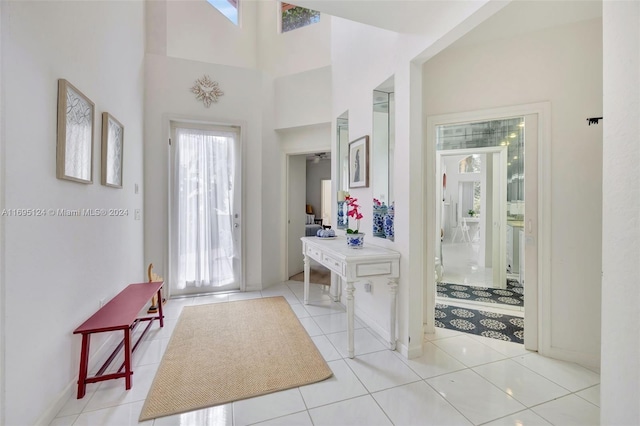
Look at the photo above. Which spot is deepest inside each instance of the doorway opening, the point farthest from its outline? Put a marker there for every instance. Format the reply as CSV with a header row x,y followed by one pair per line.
x,y
480,206
308,209
537,231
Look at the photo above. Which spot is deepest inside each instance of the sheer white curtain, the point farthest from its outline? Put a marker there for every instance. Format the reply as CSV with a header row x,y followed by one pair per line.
x,y
204,172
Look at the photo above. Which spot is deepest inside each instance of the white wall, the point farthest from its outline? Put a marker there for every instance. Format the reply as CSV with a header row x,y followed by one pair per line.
x,y
58,268
167,96
562,65
296,51
363,57
198,31
270,187
303,98
620,387
245,65
306,139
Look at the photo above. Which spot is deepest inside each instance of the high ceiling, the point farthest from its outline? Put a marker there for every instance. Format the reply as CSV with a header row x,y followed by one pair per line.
x,y
521,17
403,16
434,17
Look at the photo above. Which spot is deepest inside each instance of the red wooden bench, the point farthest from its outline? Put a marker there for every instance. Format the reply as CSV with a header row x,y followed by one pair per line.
x,y
120,313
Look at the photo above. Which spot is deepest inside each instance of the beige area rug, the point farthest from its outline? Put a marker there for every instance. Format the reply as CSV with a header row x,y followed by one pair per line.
x,y
318,274
224,352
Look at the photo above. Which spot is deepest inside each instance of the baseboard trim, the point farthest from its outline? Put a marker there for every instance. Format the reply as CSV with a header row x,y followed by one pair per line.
x,y
382,333
70,389
592,362
52,411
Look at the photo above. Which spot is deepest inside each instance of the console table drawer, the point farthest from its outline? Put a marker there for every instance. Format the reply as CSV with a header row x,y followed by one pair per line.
x,y
314,253
366,270
333,264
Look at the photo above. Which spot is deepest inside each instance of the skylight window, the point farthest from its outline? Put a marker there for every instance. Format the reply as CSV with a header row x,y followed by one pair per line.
x,y
294,17
228,8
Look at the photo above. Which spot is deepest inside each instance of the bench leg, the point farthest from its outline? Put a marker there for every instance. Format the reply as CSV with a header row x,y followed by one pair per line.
x,y
84,365
127,357
160,314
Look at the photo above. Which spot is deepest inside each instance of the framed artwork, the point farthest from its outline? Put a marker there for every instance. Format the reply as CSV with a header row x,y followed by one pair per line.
x,y
112,149
74,149
359,163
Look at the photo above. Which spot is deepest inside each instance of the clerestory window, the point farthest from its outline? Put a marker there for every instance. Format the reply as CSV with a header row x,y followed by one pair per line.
x,y
228,8
293,17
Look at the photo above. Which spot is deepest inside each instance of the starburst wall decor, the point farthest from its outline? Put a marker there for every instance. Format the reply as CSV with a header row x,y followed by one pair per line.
x,y
207,90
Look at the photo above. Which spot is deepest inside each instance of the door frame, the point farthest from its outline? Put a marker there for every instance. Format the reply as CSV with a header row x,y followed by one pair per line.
x,y
499,221
286,153
537,230
288,211
170,122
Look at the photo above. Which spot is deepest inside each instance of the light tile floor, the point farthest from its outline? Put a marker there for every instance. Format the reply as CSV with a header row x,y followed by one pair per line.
x,y
460,379
462,265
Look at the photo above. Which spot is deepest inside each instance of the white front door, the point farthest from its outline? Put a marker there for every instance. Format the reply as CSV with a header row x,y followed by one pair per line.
x,y
205,197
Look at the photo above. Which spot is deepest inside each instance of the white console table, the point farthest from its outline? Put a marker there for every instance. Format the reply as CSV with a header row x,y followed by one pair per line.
x,y
353,265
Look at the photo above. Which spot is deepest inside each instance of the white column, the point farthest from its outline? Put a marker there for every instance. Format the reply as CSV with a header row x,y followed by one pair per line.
x,y
620,356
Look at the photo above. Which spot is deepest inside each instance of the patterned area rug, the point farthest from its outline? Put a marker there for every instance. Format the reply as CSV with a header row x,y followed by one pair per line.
x,y
513,295
482,323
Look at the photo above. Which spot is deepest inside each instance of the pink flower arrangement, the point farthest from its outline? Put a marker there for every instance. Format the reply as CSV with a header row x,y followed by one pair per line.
x,y
353,212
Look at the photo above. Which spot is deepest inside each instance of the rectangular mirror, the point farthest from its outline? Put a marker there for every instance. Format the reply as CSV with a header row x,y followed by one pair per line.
x,y
382,148
342,166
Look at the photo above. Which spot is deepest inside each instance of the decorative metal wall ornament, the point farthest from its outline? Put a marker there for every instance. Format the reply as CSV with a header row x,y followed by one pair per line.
x,y
207,90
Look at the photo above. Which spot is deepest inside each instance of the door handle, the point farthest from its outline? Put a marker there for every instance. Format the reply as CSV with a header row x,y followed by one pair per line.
x,y
236,225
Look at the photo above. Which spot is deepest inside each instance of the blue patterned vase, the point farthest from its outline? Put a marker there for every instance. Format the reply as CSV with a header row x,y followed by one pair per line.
x,y
355,241
388,222
342,216
378,220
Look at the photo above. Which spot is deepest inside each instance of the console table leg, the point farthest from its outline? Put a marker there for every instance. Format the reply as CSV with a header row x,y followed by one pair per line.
x,y
350,317
306,279
334,289
393,290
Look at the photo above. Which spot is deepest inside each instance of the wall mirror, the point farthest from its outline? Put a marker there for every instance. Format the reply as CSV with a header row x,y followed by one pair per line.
x,y
342,167
382,149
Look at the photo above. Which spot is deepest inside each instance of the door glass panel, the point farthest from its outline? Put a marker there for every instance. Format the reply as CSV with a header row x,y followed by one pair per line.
x,y
205,247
